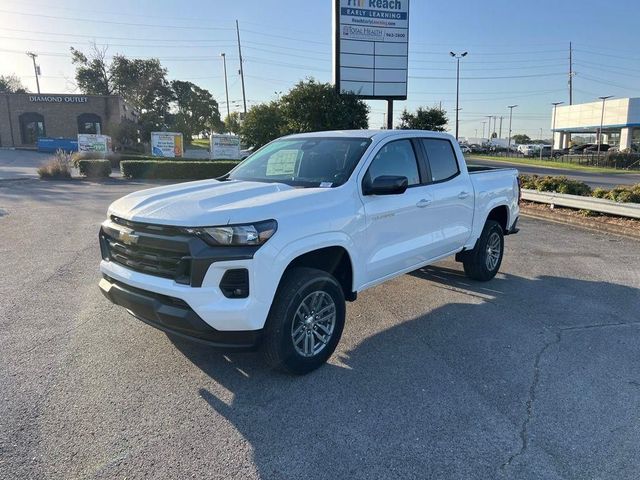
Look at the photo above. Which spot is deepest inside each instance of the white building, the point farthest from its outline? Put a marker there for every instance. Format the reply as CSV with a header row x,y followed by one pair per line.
x,y
620,119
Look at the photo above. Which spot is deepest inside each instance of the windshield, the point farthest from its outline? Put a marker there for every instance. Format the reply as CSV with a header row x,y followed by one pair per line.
x,y
304,162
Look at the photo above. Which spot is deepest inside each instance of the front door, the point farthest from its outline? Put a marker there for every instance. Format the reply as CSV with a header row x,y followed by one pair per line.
x,y
396,233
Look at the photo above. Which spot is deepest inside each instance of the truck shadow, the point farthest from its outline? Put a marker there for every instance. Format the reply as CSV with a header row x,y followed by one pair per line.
x,y
443,394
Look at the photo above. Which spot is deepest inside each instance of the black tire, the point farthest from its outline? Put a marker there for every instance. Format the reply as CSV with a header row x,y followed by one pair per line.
x,y
477,265
300,285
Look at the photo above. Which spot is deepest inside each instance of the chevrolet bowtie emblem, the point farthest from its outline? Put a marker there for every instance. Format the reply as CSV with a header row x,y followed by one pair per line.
x,y
128,237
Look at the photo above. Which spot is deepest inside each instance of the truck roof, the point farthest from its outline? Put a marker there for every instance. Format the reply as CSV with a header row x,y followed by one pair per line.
x,y
372,134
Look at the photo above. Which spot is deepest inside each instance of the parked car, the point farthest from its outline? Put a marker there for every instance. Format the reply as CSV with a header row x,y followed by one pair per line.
x,y
577,149
465,149
244,153
594,148
267,255
475,148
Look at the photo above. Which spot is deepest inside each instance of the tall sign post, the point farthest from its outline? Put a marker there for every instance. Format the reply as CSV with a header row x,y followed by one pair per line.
x,y
371,49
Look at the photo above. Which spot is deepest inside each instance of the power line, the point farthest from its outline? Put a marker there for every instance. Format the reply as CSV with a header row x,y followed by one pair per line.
x,y
130,24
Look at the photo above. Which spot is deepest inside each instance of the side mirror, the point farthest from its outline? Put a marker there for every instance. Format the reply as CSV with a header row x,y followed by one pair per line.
x,y
387,185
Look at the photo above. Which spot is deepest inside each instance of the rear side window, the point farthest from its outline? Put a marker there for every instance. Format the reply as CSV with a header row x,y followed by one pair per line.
x,y
442,159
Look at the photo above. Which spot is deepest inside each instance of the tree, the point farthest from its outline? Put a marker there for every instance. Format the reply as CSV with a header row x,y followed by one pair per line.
x,y
312,106
232,122
521,139
197,111
92,72
262,124
433,119
141,83
11,84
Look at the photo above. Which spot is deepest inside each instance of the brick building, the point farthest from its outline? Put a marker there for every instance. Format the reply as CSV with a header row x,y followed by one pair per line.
x,y
26,117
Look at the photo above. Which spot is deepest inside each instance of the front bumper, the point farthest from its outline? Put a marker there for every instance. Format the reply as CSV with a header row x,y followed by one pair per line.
x,y
175,316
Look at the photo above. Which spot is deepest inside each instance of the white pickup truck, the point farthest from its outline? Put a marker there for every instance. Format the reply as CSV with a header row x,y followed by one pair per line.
x,y
267,255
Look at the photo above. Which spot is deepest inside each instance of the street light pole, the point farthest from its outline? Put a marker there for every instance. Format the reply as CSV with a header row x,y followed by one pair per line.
x,y
510,107
35,68
458,57
604,99
553,128
226,85
483,124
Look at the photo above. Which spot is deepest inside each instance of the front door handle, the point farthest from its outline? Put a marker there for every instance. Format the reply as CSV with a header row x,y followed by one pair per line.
x,y
463,195
423,203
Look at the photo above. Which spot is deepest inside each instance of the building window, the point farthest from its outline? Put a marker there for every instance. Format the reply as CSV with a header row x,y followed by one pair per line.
x,y
31,127
89,123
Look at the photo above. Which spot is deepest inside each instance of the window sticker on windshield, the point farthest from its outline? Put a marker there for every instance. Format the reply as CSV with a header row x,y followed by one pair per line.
x,y
326,185
282,163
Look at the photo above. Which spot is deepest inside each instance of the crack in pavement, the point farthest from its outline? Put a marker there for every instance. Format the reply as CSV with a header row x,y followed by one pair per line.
x,y
524,433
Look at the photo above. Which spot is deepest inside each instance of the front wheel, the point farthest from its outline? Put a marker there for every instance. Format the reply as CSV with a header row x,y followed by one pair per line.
x,y
483,262
305,322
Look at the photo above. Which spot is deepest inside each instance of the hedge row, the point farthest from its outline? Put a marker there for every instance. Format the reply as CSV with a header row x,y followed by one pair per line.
x,y
555,184
166,159
621,194
170,170
99,168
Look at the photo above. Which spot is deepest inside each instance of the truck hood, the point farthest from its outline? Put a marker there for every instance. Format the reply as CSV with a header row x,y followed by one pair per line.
x,y
211,202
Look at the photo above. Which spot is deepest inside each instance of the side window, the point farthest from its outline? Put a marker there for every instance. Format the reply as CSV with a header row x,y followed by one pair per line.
x,y
442,159
397,159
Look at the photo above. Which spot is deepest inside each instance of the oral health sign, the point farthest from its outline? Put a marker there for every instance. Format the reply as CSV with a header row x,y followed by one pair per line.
x,y
371,48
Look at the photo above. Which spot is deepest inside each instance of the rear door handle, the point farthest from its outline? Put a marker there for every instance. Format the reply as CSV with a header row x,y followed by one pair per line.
x,y
423,203
463,195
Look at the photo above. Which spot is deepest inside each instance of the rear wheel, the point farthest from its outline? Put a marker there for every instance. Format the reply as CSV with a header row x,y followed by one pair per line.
x,y
305,322
483,262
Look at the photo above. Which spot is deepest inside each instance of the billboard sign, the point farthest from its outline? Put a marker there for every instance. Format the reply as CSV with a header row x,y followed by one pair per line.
x,y
371,48
166,144
88,142
225,147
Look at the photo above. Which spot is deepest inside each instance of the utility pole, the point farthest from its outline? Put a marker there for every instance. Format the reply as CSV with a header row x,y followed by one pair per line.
x,y
489,127
483,124
604,99
570,73
244,98
36,69
226,85
500,134
510,107
458,57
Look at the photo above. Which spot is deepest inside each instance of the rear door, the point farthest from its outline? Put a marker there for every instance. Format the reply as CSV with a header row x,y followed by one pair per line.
x,y
450,213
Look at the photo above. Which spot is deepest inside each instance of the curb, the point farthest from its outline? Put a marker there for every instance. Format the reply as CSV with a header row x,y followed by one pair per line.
x,y
583,223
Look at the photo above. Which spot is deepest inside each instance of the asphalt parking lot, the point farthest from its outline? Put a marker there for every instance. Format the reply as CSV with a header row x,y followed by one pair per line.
x,y
535,375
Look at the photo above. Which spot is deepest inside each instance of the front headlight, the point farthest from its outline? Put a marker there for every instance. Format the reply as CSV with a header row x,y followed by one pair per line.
x,y
237,235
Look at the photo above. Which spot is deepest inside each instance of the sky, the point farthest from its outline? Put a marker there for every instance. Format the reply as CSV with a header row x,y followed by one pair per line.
x,y
518,51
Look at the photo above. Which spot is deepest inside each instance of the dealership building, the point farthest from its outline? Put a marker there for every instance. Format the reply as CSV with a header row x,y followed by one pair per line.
x,y
619,118
26,117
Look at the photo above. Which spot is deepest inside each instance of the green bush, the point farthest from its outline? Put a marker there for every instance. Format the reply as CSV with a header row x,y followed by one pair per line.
x,y
100,168
555,184
166,169
621,194
114,158
130,156
58,167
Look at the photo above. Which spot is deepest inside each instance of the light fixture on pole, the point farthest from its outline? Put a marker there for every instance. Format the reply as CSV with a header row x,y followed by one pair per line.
x,y
226,85
36,68
604,99
458,57
553,128
510,107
